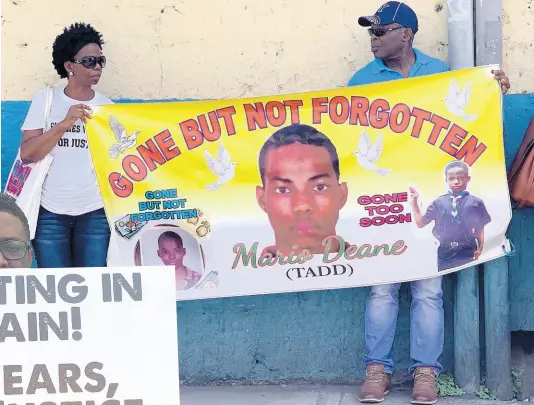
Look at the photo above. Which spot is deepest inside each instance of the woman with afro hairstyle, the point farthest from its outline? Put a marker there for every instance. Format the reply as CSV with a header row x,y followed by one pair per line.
x,y
72,229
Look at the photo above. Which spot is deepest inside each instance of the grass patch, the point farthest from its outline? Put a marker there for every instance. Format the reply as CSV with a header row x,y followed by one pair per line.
x,y
483,393
447,387
516,382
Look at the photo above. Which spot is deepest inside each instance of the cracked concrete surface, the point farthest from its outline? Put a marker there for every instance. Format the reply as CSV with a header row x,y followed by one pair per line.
x,y
205,49
301,395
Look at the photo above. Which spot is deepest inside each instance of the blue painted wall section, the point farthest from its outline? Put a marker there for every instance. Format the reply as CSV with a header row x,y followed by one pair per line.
x,y
518,111
313,335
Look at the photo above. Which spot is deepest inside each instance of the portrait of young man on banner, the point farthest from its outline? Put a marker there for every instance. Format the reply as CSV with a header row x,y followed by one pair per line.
x,y
301,192
167,245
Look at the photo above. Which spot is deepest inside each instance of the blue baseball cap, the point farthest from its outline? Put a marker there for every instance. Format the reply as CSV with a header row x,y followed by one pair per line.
x,y
392,12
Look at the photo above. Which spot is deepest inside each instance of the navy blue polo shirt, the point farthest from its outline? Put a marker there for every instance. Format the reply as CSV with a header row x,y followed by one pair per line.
x,y
471,211
376,71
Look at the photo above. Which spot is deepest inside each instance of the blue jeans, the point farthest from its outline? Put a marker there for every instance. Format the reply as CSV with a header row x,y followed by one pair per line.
x,y
426,324
67,241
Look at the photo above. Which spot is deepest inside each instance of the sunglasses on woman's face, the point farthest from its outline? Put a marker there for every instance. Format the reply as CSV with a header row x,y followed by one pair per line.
x,y
90,62
380,32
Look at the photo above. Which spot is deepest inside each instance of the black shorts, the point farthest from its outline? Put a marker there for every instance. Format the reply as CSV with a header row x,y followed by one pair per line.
x,y
452,254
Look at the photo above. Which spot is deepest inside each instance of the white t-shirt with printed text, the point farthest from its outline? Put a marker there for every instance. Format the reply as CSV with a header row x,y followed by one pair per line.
x,y
70,188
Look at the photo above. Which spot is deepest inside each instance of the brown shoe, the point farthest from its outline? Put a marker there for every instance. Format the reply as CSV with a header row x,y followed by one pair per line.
x,y
425,387
376,385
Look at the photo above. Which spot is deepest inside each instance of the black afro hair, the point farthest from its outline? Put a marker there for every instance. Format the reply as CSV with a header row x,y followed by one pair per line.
x,y
69,43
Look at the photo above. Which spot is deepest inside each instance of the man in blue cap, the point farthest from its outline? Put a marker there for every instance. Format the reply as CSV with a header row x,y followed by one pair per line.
x,y
392,29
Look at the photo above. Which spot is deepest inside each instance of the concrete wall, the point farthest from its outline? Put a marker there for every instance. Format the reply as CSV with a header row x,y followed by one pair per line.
x,y
518,48
518,52
518,111
211,49
205,49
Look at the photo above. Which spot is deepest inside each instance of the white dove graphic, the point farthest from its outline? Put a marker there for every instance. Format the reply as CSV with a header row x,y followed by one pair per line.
x,y
458,100
125,142
221,167
367,155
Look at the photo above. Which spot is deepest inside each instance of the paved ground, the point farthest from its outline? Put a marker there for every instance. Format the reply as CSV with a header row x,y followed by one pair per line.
x,y
300,395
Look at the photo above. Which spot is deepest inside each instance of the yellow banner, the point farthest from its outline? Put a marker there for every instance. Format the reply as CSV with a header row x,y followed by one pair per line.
x,y
349,187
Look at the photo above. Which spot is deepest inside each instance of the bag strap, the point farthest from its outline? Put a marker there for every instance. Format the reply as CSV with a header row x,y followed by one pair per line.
x,y
526,192
524,149
519,162
49,95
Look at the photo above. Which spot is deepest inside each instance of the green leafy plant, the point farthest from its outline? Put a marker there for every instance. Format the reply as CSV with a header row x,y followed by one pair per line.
x,y
483,393
516,381
447,387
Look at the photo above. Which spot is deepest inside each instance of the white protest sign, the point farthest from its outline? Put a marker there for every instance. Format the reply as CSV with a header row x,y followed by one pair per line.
x,y
88,336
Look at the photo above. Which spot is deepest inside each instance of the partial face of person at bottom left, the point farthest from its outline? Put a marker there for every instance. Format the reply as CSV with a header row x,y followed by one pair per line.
x,y
301,196
14,243
171,252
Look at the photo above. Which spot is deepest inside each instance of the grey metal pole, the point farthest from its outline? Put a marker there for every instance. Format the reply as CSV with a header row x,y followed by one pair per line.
x,y
497,326
467,331
466,307
488,35
488,40
461,34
